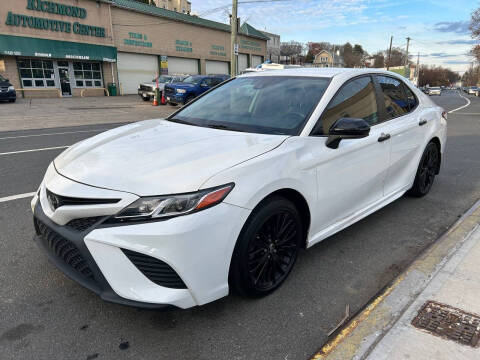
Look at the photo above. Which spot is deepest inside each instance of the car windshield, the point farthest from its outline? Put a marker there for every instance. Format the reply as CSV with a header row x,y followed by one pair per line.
x,y
435,88
2,79
257,104
192,80
163,79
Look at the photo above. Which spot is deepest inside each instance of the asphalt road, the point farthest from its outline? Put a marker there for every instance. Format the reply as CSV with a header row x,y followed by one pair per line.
x,y
44,315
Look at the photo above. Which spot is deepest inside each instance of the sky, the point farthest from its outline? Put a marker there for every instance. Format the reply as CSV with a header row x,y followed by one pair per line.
x,y
438,28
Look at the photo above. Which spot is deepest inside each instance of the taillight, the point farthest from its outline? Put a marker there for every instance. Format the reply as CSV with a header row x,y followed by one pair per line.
x,y
444,115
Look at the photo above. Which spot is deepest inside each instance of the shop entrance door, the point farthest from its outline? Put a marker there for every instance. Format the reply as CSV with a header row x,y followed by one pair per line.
x,y
64,74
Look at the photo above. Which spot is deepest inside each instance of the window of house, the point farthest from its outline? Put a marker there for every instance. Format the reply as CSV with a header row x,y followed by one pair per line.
x,y
36,73
87,74
396,103
356,99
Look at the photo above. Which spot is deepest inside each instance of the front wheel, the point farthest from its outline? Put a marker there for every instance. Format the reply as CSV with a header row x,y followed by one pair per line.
x,y
267,248
427,169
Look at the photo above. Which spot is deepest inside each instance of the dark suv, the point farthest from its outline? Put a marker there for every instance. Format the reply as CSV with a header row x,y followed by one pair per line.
x,y
7,92
191,87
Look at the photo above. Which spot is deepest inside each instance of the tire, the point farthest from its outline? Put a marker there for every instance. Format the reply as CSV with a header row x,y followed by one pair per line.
x,y
267,248
146,98
427,169
12,100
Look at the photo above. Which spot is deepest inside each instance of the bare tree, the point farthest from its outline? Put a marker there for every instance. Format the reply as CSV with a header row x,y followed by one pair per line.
x,y
292,50
475,32
437,76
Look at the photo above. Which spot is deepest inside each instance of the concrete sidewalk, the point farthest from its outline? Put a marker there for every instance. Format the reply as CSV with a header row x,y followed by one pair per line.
x,y
61,112
445,278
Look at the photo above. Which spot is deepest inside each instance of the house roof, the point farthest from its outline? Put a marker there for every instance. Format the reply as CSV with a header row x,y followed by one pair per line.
x,y
191,19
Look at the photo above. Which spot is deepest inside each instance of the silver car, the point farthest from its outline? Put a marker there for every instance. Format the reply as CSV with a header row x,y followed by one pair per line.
x,y
147,90
434,91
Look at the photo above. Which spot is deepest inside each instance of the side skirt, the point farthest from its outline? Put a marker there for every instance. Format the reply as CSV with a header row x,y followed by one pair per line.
x,y
359,215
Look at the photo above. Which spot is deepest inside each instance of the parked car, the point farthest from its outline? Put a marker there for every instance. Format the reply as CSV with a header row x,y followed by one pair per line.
x,y
222,195
191,87
472,90
147,90
7,91
434,91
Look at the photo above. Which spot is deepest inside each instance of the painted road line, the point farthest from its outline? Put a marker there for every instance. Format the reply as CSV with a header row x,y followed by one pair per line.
x,y
16,197
33,150
461,107
57,133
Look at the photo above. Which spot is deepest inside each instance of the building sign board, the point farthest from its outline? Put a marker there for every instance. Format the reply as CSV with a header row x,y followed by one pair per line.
x,y
20,20
183,45
218,50
137,39
250,45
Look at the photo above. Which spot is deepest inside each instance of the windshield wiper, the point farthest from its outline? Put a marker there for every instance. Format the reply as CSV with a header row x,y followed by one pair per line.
x,y
180,121
223,127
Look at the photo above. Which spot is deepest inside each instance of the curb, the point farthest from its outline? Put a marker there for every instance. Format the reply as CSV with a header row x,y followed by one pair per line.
x,y
362,333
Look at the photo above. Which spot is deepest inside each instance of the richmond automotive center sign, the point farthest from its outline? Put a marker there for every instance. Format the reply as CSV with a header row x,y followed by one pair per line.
x,y
51,7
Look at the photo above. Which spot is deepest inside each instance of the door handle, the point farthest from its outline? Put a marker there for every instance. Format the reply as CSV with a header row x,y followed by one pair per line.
x,y
383,137
422,122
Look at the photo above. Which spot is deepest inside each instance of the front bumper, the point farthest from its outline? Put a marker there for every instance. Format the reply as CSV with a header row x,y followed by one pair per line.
x,y
146,93
175,98
8,95
198,247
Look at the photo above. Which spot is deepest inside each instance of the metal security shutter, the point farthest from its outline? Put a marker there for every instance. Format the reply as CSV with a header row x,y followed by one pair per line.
x,y
242,62
178,65
216,67
134,69
256,60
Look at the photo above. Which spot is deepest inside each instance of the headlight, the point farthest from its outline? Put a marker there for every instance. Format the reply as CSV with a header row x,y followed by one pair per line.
x,y
181,91
157,207
11,88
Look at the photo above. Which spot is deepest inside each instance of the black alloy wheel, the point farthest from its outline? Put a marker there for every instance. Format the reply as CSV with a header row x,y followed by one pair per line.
x,y
267,248
427,169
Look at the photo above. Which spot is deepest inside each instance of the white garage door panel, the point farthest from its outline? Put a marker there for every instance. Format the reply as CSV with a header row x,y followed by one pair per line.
x,y
242,62
134,69
256,60
216,67
178,65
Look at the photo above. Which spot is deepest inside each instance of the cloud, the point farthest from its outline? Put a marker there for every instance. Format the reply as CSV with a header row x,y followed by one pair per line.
x,y
457,27
457,62
458,42
443,55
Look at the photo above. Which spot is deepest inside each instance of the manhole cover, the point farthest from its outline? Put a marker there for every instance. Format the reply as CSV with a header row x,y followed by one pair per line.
x,y
448,322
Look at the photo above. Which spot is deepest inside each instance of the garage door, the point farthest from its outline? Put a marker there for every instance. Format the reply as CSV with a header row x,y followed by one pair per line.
x,y
216,67
242,62
134,69
256,60
178,65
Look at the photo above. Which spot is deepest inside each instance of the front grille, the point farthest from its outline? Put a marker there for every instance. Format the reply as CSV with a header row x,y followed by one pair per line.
x,y
169,91
155,270
56,200
63,249
82,224
146,88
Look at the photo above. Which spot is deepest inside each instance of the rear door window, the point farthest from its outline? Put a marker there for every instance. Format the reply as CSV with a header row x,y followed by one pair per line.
x,y
411,98
396,103
356,99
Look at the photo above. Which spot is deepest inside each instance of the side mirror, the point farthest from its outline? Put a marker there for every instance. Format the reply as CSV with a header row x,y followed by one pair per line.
x,y
347,128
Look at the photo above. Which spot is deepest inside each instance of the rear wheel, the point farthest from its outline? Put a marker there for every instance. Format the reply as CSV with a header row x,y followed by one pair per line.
x,y
267,248
427,169
147,98
12,100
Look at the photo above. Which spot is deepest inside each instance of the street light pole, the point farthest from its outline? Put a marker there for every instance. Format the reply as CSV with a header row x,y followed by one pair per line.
x,y
407,66
233,40
389,52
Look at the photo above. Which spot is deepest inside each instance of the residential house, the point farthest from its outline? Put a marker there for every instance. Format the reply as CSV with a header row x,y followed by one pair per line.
x,y
273,47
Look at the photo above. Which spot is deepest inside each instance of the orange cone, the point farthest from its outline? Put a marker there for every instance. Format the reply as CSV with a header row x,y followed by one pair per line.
x,y
155,100
163,101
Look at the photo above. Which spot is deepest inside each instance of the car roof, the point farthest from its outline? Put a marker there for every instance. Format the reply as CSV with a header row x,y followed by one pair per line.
x,y
320,72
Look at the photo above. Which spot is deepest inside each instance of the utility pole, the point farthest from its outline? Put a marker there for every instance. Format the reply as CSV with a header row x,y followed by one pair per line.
x,y
417,69
233,56
389,53
407,66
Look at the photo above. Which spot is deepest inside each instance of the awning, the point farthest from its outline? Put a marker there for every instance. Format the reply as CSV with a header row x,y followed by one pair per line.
x,y
26,46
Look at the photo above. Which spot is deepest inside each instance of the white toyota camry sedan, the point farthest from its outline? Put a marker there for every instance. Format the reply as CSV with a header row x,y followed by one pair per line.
x,y
224,193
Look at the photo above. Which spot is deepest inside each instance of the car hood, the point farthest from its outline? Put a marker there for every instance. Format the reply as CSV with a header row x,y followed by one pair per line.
x,y
158,157
154,85
182,86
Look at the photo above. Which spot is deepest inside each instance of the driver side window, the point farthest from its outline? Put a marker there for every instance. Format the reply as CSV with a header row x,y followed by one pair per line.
x,y
356,99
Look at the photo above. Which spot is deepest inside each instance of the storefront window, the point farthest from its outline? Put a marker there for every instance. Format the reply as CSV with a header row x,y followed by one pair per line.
x,y
87,74
36,73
